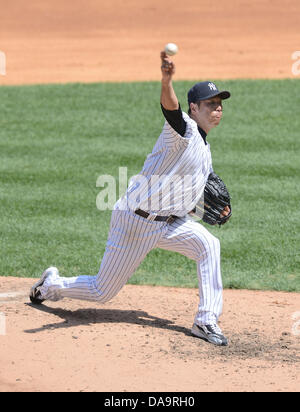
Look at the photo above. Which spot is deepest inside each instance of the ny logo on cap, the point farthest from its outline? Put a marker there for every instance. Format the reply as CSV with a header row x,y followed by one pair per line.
x,y
212,86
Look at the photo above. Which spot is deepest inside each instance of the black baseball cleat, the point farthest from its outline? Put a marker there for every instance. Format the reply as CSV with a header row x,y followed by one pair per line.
x,y
35,293
210,333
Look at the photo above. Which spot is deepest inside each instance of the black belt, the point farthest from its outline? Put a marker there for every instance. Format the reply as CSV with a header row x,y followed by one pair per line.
x,y
168,219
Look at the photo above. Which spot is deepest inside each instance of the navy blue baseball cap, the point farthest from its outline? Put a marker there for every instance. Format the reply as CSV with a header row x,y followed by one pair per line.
x,y
204,91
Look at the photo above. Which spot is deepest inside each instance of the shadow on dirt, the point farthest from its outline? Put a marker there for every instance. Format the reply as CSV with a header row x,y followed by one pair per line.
x,y
90,316
249,344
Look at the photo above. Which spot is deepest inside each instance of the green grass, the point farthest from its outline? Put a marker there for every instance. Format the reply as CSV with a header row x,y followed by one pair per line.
x,y
56,140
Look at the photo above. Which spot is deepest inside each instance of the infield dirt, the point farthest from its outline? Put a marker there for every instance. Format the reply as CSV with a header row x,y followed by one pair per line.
x,y
140,341
91,41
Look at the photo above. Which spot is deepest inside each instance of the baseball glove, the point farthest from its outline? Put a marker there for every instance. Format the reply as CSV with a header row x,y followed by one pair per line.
x,y
211,205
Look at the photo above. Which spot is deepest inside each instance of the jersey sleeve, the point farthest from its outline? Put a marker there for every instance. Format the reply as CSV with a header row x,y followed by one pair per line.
x,y
175,120
177,134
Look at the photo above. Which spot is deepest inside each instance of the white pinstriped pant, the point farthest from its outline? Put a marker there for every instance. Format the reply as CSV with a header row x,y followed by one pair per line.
x,y
130,239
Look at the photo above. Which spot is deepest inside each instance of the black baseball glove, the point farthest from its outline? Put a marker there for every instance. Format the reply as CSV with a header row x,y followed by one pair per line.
x,y
216,198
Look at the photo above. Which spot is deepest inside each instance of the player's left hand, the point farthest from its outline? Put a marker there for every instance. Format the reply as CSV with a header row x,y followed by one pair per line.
x,y
225,211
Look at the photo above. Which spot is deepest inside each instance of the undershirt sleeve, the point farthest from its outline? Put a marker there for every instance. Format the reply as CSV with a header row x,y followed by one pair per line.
x,y
175,120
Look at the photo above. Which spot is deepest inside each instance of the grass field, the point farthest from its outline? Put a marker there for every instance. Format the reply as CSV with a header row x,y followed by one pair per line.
x,y
56,140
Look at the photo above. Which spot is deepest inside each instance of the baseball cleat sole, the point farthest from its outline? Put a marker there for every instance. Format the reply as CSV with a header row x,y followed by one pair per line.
x,y
35,294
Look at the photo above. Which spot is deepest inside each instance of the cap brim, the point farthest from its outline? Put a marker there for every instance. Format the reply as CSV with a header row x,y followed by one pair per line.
x,y
223,95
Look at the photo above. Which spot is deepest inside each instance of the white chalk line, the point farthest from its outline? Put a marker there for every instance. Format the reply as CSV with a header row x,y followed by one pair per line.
x,y
10,296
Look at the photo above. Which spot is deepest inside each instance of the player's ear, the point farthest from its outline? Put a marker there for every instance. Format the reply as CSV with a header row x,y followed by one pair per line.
x,y
193,107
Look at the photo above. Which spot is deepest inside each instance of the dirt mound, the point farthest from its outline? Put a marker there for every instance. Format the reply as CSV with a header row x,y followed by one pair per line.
x,y
141,341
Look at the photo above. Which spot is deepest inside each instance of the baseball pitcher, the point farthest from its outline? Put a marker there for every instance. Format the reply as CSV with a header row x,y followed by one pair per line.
x,y
155,211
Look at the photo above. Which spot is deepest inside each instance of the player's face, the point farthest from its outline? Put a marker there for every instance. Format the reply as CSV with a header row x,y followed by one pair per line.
x,y
213,110
209,113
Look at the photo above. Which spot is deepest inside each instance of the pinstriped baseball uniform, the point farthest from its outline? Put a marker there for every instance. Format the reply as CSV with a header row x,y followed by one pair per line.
x,y
171,182
174,174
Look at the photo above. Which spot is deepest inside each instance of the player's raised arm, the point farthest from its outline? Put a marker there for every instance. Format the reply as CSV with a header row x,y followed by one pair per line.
x,y
168,97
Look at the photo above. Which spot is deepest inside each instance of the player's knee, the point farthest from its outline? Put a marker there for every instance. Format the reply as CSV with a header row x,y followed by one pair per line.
x,y
103,297
214,246
215,243
208,247
104,293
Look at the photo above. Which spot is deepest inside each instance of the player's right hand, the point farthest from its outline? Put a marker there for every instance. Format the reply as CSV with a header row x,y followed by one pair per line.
x,y
167,66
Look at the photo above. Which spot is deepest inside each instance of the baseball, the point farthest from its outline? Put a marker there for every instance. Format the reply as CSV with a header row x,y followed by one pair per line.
x,y
171,49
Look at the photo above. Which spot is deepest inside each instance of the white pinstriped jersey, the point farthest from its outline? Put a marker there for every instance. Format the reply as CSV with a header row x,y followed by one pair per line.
x,y
174,174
